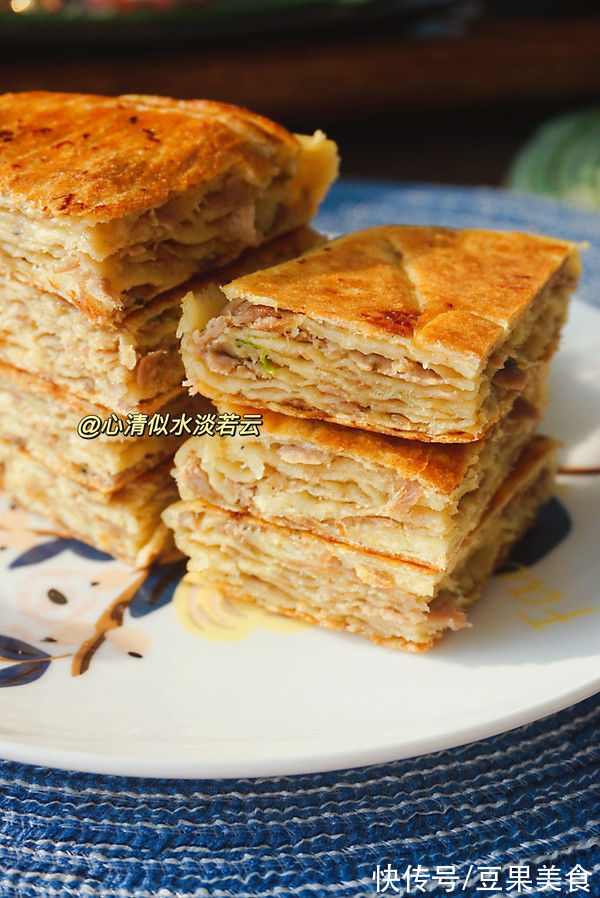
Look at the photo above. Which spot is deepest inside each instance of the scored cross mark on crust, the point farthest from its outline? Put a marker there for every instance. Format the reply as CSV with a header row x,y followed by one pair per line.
x,y
420,332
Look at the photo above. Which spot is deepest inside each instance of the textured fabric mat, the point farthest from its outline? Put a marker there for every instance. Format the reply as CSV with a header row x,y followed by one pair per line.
x,y
529,797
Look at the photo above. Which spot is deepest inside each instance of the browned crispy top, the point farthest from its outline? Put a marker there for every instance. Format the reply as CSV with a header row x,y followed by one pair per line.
x,y
461,289
284,247
105,157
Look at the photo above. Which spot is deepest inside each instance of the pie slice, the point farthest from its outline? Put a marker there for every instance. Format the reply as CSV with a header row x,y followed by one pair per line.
x,y
410,500
42,419
109,201
126,524
421,332
122,369
392,602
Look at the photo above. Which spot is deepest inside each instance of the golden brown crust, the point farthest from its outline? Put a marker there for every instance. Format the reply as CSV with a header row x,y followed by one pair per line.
x,y
252,122
460,290
284,247
79,155
438,465
441,466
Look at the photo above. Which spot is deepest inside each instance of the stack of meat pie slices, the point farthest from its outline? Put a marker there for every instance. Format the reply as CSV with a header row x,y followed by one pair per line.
x,y
400,372
111,211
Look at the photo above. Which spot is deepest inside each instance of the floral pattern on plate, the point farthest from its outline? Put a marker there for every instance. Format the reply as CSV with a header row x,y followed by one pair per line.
x,y
58,605
67,600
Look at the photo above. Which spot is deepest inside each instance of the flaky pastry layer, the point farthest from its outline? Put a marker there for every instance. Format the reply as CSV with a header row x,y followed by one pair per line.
x,y
398,497
126,524
124,367
392,602
107,202
43,420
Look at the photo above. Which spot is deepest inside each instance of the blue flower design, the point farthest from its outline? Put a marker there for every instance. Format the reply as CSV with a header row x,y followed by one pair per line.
x,y
553,524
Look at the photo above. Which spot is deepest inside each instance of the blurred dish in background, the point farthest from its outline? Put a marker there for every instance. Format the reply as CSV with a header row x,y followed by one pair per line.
x,y
209,19
562,159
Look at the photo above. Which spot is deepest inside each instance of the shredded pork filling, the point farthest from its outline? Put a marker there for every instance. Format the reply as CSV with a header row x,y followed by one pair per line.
x,y
47,430
352,500
158,250
119,369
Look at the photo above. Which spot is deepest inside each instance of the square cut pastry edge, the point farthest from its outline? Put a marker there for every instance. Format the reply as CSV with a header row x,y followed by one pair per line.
x,y
391,602
43,420
126,523
421,332
108,491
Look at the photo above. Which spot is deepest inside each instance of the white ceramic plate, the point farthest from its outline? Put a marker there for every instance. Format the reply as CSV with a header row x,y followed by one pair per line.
x,y
222,691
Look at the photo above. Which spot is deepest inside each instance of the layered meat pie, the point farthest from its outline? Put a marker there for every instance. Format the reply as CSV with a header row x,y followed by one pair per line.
x,y
393,602
136,367
421,332
109,201
43,420
410,500
126,523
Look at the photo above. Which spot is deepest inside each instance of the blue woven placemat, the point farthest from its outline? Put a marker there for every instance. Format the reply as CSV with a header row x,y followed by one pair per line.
x,y
530,797
516,814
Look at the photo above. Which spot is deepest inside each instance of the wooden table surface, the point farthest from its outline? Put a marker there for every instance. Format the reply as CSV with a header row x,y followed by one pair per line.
x,y
441,108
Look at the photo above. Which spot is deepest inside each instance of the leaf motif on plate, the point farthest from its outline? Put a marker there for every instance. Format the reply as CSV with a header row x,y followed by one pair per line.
x,y
12,649
25,672
158,588
31,662
85,551
51,548
40,552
